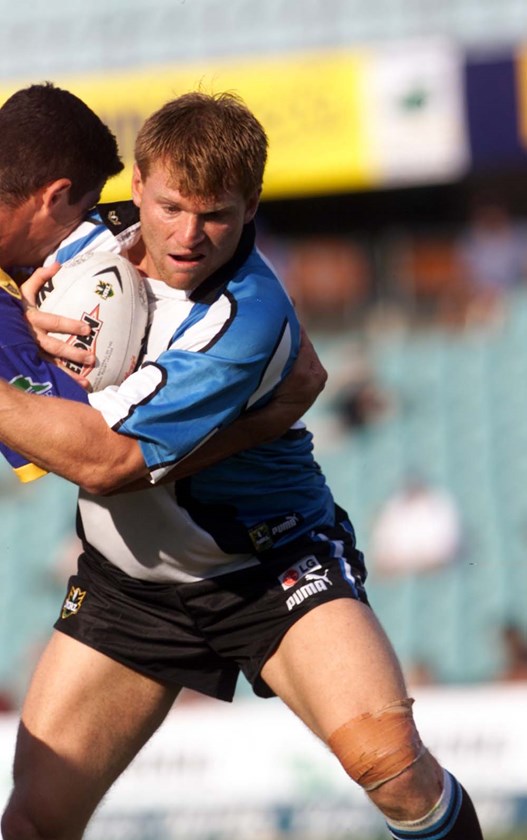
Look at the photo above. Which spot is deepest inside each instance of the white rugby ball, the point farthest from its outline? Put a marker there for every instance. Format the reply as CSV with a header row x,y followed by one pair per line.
x,y
107,292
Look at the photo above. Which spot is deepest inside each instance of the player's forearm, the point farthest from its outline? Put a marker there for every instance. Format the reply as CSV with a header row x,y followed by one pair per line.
x,y
249,430
69,439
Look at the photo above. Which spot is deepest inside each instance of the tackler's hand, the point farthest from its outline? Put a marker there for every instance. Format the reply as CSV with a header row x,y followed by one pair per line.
x,y
44,323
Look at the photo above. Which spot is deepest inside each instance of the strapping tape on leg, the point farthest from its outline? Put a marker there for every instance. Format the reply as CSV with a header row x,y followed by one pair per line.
x,y
376,747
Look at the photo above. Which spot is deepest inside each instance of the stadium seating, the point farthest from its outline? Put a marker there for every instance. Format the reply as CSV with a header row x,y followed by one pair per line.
x,y
132,33
36,523
459,424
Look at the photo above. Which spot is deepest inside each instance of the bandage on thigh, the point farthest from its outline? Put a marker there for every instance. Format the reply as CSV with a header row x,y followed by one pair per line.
x,y
376,747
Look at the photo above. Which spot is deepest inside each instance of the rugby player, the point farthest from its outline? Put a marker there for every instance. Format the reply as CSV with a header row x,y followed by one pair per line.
x,y
249,565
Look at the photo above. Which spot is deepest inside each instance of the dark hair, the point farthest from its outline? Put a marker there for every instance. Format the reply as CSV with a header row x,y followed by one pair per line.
x,y
212,143
47,133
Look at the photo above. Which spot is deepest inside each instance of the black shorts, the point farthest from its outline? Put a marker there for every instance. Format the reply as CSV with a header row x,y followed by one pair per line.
x,y
201,635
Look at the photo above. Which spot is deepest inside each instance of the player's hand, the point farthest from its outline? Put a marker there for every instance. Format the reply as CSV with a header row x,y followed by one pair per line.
x,y
43,323
306,380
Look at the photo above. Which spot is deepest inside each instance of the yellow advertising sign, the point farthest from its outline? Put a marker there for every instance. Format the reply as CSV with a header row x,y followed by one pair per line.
x,y
521,79
311,105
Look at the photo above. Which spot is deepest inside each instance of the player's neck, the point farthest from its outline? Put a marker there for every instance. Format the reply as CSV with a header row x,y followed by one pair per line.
x,y
137,255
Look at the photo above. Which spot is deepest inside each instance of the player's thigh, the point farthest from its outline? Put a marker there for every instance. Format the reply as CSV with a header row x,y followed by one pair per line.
x,y
84,718
333,664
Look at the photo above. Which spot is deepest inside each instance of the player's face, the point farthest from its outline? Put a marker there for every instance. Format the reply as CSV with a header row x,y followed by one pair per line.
x,y
34,229
186,239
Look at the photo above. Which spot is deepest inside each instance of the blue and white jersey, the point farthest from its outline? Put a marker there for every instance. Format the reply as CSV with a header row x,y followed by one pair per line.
x,y
210,355
108,227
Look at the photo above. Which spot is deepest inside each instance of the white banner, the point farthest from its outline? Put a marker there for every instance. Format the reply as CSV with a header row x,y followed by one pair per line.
x,y
415,113
254,763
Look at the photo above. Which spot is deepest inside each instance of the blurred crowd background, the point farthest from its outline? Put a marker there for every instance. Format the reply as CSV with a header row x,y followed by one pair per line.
x,y
395,209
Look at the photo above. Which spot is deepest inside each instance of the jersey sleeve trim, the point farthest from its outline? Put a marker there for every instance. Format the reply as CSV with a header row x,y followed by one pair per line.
x,y
29,472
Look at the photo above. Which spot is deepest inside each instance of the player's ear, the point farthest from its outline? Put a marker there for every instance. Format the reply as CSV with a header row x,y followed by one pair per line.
x,y
251,207
137,186
56,194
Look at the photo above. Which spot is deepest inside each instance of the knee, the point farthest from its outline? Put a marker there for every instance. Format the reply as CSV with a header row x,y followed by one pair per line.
x,y
376,747
384,754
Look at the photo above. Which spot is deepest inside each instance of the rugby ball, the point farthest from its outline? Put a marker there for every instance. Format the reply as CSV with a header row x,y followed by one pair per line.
x,y
107,292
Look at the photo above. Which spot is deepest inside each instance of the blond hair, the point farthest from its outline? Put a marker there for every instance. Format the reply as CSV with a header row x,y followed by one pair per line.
x,y
211,143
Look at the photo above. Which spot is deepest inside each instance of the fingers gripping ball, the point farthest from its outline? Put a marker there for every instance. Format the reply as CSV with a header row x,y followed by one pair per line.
x,y
107,292
374,748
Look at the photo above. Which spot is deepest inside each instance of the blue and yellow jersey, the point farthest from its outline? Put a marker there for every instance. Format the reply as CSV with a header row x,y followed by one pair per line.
x,y
23,367
108,227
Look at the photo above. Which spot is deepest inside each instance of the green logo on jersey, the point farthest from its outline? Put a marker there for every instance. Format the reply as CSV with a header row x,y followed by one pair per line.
x,y
25,383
